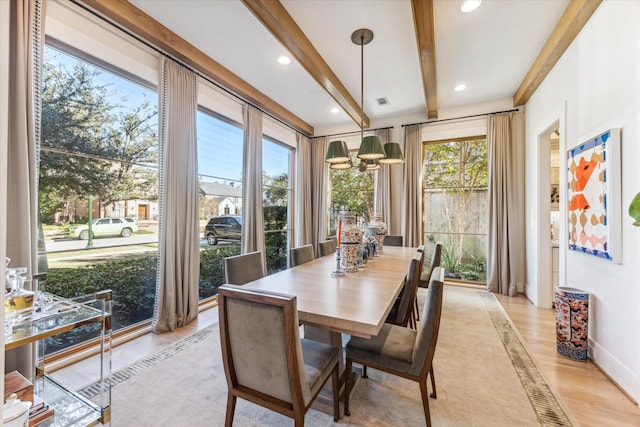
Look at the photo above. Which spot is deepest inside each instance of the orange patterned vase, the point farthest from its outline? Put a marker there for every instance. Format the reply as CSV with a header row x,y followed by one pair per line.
x,y
572,315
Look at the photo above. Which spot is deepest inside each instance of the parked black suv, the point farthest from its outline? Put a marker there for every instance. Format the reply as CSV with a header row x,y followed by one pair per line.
x,y
223,228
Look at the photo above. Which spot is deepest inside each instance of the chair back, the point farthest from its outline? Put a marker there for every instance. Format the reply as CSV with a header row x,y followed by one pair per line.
x,y
436,258
327,247
408,296
261,347
300,255
244,268
425,345
390,240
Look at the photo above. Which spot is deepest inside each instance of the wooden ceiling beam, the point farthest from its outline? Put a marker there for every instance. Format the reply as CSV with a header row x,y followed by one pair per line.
x,y
425,36
573,19
277,20
132,19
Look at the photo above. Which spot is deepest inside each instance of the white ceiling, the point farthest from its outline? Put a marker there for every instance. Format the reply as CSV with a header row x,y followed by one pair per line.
x,y
490,50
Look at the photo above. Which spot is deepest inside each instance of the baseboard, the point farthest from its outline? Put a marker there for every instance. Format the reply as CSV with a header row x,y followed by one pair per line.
x,y
613,369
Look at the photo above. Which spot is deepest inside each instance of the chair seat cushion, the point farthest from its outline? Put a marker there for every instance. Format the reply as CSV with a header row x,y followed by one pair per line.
x,y
319,360
393,347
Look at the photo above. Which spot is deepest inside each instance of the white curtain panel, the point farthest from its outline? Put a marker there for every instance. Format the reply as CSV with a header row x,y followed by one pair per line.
x,y
319,171
303,195
382,201
252,203
506,233
179,231
25,62
412,186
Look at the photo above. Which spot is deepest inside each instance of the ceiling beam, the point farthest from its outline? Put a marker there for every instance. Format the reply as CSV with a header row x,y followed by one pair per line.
x,y
134,20
425,37
575,16
277,20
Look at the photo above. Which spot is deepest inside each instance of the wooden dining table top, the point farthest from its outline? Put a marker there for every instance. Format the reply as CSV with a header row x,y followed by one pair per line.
x,y
357,303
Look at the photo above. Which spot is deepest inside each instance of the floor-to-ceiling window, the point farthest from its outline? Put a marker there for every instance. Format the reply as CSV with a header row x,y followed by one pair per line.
x,y
220,173
98,185
276,187
455,205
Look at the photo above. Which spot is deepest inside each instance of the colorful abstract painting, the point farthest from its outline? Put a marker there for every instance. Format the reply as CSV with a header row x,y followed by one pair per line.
x,y
593,196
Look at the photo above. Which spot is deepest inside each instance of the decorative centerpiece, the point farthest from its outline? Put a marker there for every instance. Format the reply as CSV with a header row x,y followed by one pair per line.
x,y
379,230
350,237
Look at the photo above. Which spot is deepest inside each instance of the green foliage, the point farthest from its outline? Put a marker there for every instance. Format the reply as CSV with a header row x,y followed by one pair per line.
x,y
132,280
212,267
353,189
634,210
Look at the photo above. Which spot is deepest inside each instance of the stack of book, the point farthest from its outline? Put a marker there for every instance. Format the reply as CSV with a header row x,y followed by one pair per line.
x,y
40,411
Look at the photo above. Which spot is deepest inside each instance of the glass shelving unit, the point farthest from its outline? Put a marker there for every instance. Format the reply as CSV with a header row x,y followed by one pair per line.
x,y
53,316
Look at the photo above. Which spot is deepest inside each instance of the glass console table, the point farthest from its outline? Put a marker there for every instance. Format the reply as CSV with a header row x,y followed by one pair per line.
x,y
56,316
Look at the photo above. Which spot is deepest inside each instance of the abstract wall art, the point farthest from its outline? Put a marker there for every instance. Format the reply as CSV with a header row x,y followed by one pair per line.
x,y
593,179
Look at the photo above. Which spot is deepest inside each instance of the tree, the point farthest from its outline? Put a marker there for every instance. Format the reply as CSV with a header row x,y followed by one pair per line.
x,y
351,189
90,145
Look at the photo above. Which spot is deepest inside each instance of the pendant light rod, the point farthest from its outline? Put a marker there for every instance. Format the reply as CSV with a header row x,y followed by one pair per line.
x,y
361,37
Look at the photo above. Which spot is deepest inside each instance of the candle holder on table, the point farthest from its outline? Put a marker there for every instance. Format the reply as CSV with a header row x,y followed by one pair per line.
x,y
338,271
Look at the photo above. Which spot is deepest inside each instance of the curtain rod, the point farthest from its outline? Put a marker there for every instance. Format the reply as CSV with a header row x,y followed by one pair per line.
x,y
460,118
199,73
349,133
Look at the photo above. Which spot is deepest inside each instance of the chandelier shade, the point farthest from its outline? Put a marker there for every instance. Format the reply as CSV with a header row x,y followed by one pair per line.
x,y
337,152
394,154
341,166
371,164
371,148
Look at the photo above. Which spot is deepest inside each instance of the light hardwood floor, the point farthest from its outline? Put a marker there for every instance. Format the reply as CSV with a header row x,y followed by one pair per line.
x,y
590,396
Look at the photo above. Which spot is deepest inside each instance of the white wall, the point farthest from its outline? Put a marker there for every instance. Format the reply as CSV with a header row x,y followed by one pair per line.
x,y
595,86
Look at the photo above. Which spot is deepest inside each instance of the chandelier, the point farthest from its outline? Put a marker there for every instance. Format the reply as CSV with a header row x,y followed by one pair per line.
x,y
371,152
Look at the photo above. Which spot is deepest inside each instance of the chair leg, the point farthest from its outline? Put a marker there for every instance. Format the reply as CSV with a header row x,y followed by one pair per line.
x,y
416,308
433,383
335,383
364,372
425,401
231,408
347,386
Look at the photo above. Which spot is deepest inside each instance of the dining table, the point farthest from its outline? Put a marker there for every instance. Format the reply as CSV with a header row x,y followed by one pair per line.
x,y
355,303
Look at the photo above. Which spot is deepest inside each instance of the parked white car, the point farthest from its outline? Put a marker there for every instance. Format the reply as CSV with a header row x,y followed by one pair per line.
x,y
124,227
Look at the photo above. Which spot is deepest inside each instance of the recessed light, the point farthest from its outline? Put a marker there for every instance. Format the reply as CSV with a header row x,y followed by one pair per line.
x,y
470,5
460,87
284,60
335,110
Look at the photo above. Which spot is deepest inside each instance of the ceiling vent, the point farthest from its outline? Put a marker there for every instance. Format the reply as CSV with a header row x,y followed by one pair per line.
x,y
382,101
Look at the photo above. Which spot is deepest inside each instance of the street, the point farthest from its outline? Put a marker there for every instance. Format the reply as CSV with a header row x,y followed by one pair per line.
x,y
64,244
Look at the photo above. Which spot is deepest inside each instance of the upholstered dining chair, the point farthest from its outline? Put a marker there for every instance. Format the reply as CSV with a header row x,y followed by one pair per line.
x,y
401,312
301,254
391,240
327,247
402,351
265,360
436,258
244,268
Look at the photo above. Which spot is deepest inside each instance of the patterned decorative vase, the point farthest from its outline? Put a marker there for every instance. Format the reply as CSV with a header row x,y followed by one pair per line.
x,y
349,242
371,238
572,315
380,231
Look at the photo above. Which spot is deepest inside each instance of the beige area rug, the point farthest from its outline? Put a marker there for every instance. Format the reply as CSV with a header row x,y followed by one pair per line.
x,y
484,377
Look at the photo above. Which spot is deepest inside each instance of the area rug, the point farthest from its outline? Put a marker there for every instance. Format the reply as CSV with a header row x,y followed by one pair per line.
x,y
484,377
